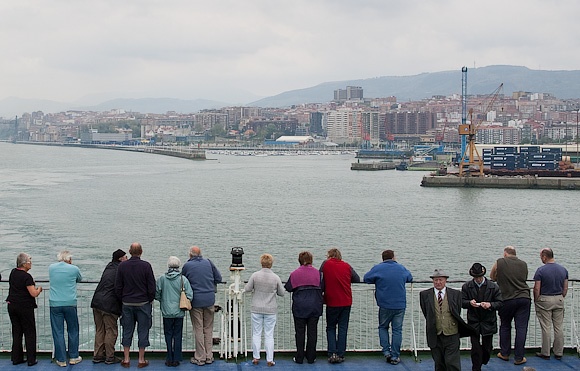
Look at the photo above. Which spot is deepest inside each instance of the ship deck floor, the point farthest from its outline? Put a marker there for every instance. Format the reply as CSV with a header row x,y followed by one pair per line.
x,y
353,362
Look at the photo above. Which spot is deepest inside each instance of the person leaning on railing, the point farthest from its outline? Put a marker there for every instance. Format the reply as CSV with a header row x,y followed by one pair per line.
x,y
64,277
106,311
305,284
21,305
168,293
266,285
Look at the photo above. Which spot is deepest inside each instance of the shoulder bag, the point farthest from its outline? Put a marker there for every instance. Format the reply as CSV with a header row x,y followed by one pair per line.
x,y
184,302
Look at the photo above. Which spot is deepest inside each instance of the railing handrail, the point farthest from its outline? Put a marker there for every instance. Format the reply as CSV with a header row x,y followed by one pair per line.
x,y
363,321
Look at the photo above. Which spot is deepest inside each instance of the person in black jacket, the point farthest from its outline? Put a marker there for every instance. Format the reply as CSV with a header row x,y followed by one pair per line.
x,y
482,299
106,311
305,284
21,304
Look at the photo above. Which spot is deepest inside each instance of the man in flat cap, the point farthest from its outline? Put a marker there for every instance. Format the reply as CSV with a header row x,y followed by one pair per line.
x,y
106,311
481,298
441,307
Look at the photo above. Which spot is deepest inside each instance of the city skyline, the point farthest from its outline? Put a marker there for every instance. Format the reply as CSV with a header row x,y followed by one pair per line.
x,y
239,52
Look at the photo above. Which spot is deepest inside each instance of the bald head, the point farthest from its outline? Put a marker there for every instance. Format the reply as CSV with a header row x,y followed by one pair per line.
x,y
194,251
509,251
135,249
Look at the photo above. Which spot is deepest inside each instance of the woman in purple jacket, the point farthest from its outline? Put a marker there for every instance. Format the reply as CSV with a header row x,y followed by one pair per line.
x,y
305,284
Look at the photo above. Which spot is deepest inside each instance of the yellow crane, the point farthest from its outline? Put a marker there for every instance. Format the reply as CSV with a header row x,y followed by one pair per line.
x,y
474,159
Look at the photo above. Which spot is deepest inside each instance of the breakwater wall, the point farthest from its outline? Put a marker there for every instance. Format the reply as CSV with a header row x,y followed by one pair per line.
x,y
178,151
502,182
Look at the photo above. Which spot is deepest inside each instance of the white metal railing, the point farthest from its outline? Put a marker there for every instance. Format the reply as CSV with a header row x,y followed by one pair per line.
x,y
236,335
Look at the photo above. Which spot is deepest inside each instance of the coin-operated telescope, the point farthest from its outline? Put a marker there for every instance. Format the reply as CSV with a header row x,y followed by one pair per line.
x,y
235,305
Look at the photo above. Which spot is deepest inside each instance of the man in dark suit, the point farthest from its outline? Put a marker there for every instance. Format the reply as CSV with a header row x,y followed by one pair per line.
x,y
441,307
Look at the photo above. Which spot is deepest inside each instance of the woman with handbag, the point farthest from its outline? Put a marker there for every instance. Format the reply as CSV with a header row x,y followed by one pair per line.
x,y
173,291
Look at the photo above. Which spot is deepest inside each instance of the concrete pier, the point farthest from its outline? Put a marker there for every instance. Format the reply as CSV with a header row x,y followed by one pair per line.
x,y
372,166
522,182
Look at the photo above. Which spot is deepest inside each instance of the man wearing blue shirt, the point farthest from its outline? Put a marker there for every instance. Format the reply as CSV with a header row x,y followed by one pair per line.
x,y
390,278
63,278
550,288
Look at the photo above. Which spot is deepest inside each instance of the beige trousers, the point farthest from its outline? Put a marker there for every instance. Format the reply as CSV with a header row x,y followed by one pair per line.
x,y
550,313
202,321
106,331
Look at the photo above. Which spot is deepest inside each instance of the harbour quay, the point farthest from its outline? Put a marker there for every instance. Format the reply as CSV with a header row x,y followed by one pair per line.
x,y
521,182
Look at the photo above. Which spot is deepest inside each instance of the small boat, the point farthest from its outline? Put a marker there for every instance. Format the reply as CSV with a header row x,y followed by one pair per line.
x,y
401,166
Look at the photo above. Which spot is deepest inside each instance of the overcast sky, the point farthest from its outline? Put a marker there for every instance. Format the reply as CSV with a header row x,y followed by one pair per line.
x,y
65,50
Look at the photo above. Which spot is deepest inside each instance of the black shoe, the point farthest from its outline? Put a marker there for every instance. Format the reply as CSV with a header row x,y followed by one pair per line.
x,y
18,362
311,362
388,358
296,361
175,364
112,361
32,363
538,354
99,359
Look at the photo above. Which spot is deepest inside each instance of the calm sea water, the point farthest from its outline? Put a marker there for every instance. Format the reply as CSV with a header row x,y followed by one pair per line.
x,y
92,202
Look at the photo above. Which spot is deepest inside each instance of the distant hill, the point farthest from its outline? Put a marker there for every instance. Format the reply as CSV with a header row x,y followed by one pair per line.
x,y
483,80
156,105
11,107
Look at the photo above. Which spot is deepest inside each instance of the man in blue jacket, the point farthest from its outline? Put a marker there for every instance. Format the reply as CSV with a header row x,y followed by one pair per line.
x,y
390,278
203,277
135,286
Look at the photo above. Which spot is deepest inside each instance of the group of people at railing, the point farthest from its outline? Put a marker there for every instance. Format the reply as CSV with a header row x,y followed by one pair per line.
x,y
127,289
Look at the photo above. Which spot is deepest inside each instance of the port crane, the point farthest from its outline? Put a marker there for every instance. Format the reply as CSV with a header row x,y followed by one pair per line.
x,y
467,131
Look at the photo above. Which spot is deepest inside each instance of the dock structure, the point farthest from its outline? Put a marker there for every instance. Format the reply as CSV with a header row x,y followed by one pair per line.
x,y
521,182
174,151
373,166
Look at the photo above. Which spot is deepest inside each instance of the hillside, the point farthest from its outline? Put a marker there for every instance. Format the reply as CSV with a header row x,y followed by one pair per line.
x,y
484,80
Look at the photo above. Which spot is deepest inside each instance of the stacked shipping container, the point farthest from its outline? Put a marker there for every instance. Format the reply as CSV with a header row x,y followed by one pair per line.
x,y
532,157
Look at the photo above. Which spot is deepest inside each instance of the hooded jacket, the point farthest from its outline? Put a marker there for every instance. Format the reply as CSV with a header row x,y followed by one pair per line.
x,y
168,292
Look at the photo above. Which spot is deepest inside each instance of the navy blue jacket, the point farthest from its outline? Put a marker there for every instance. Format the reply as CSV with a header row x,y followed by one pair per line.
x,y
135,281
203,277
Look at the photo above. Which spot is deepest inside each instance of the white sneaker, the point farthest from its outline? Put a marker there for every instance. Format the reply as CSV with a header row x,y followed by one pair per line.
x,y
74,361
61,364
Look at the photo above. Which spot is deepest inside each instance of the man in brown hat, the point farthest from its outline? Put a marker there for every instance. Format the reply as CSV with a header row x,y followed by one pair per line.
x,y
441,307
482,299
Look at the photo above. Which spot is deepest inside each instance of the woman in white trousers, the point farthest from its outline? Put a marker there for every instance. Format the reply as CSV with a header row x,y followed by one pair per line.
x,y
265,285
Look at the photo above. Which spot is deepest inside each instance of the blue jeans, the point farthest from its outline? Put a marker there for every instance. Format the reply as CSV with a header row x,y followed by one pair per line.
x,y
393,317
173,328
140,315
58,316
337,316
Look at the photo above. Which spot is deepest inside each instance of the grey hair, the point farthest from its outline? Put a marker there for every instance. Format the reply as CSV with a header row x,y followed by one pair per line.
x,y
173,262
22,259
64,256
